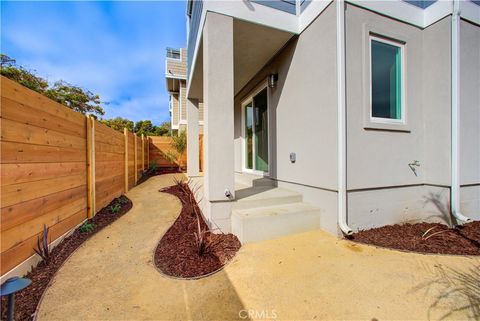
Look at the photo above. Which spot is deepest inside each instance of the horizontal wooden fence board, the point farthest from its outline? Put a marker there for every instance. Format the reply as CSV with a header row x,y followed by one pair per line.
x,y
17,193
18,93
21,232
159,149
109,165
30,172
48,175
13,131
25,211
23,250
33,116
13,153
109,148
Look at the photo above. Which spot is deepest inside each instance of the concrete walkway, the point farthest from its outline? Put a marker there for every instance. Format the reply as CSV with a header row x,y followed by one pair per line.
x,y
305,276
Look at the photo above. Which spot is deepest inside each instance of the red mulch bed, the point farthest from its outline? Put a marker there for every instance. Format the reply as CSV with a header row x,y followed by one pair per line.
x,y
26,301
462,240
177,253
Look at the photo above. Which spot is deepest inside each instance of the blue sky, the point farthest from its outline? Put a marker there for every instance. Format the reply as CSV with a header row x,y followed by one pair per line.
x,y
115,49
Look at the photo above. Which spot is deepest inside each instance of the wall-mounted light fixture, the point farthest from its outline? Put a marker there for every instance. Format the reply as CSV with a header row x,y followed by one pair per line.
x,y
272,80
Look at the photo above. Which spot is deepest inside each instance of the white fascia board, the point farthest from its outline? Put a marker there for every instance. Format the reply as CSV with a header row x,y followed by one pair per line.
x,y
311,12
470,11
175,77
256,13
397,9
436,11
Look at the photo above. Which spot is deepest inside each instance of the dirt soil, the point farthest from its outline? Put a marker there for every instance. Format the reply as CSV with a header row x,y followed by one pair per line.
x,y
179,254
26,301
158,171
425,238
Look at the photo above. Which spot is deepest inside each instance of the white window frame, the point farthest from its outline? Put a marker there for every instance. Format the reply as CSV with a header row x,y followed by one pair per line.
x,y
403,109
244,103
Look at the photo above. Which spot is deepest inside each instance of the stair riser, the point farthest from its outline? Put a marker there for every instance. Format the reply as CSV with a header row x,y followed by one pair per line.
x,y
254,181
254,229
242,204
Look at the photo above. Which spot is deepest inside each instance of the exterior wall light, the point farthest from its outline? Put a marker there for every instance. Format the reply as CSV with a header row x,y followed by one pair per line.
x,y
272,80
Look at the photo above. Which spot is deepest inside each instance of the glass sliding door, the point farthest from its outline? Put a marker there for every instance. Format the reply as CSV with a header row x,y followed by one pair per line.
x,y
249,136
261,131
256,132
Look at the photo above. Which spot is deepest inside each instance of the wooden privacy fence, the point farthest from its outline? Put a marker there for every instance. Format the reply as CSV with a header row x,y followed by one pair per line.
x,y
58,168
160,146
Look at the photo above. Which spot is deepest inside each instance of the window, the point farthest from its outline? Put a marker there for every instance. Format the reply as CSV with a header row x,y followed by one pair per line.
x,y
387,96
173,53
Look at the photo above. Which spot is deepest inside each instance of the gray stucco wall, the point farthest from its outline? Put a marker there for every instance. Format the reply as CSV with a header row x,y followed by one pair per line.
x,y
303,116
437,102
382,187
470,119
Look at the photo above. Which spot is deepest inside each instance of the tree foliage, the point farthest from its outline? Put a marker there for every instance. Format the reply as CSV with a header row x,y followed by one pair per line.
x,y
179,144
118,123
73,97
140,127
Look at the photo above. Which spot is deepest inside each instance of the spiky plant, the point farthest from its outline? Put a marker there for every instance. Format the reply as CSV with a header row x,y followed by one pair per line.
x,y
43,248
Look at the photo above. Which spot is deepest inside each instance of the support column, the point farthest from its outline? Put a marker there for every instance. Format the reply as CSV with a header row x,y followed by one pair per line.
x,y
193,163
218,120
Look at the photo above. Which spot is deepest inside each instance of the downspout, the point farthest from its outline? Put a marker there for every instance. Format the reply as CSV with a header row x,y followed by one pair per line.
x,y
341,121
455,65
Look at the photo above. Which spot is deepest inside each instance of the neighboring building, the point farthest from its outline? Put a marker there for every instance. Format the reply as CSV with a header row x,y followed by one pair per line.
x,y
334,115
176,78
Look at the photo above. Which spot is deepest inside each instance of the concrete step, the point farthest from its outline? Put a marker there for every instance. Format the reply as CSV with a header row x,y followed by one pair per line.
x,y
253,180
252,197
264,223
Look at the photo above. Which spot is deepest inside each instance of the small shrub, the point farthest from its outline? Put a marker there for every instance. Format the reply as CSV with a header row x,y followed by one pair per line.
x,y
123,200
179,144
115,208
152,169
43,249
87,227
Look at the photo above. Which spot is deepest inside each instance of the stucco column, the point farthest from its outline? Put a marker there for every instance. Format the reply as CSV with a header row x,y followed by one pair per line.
x,y
193,166
218,119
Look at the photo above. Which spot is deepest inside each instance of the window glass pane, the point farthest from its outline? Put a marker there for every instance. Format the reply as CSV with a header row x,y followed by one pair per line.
x,y
386,80
249,136
261,131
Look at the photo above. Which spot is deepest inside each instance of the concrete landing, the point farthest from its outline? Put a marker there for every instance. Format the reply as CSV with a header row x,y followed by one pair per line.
x,y
263,211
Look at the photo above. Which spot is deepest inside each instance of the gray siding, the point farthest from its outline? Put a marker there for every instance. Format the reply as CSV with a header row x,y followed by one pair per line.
x,y
437,102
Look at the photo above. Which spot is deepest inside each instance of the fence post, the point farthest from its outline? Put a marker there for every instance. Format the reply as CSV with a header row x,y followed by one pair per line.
x,y
89,168
94,175
143,152
135,153
148,152
125,134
